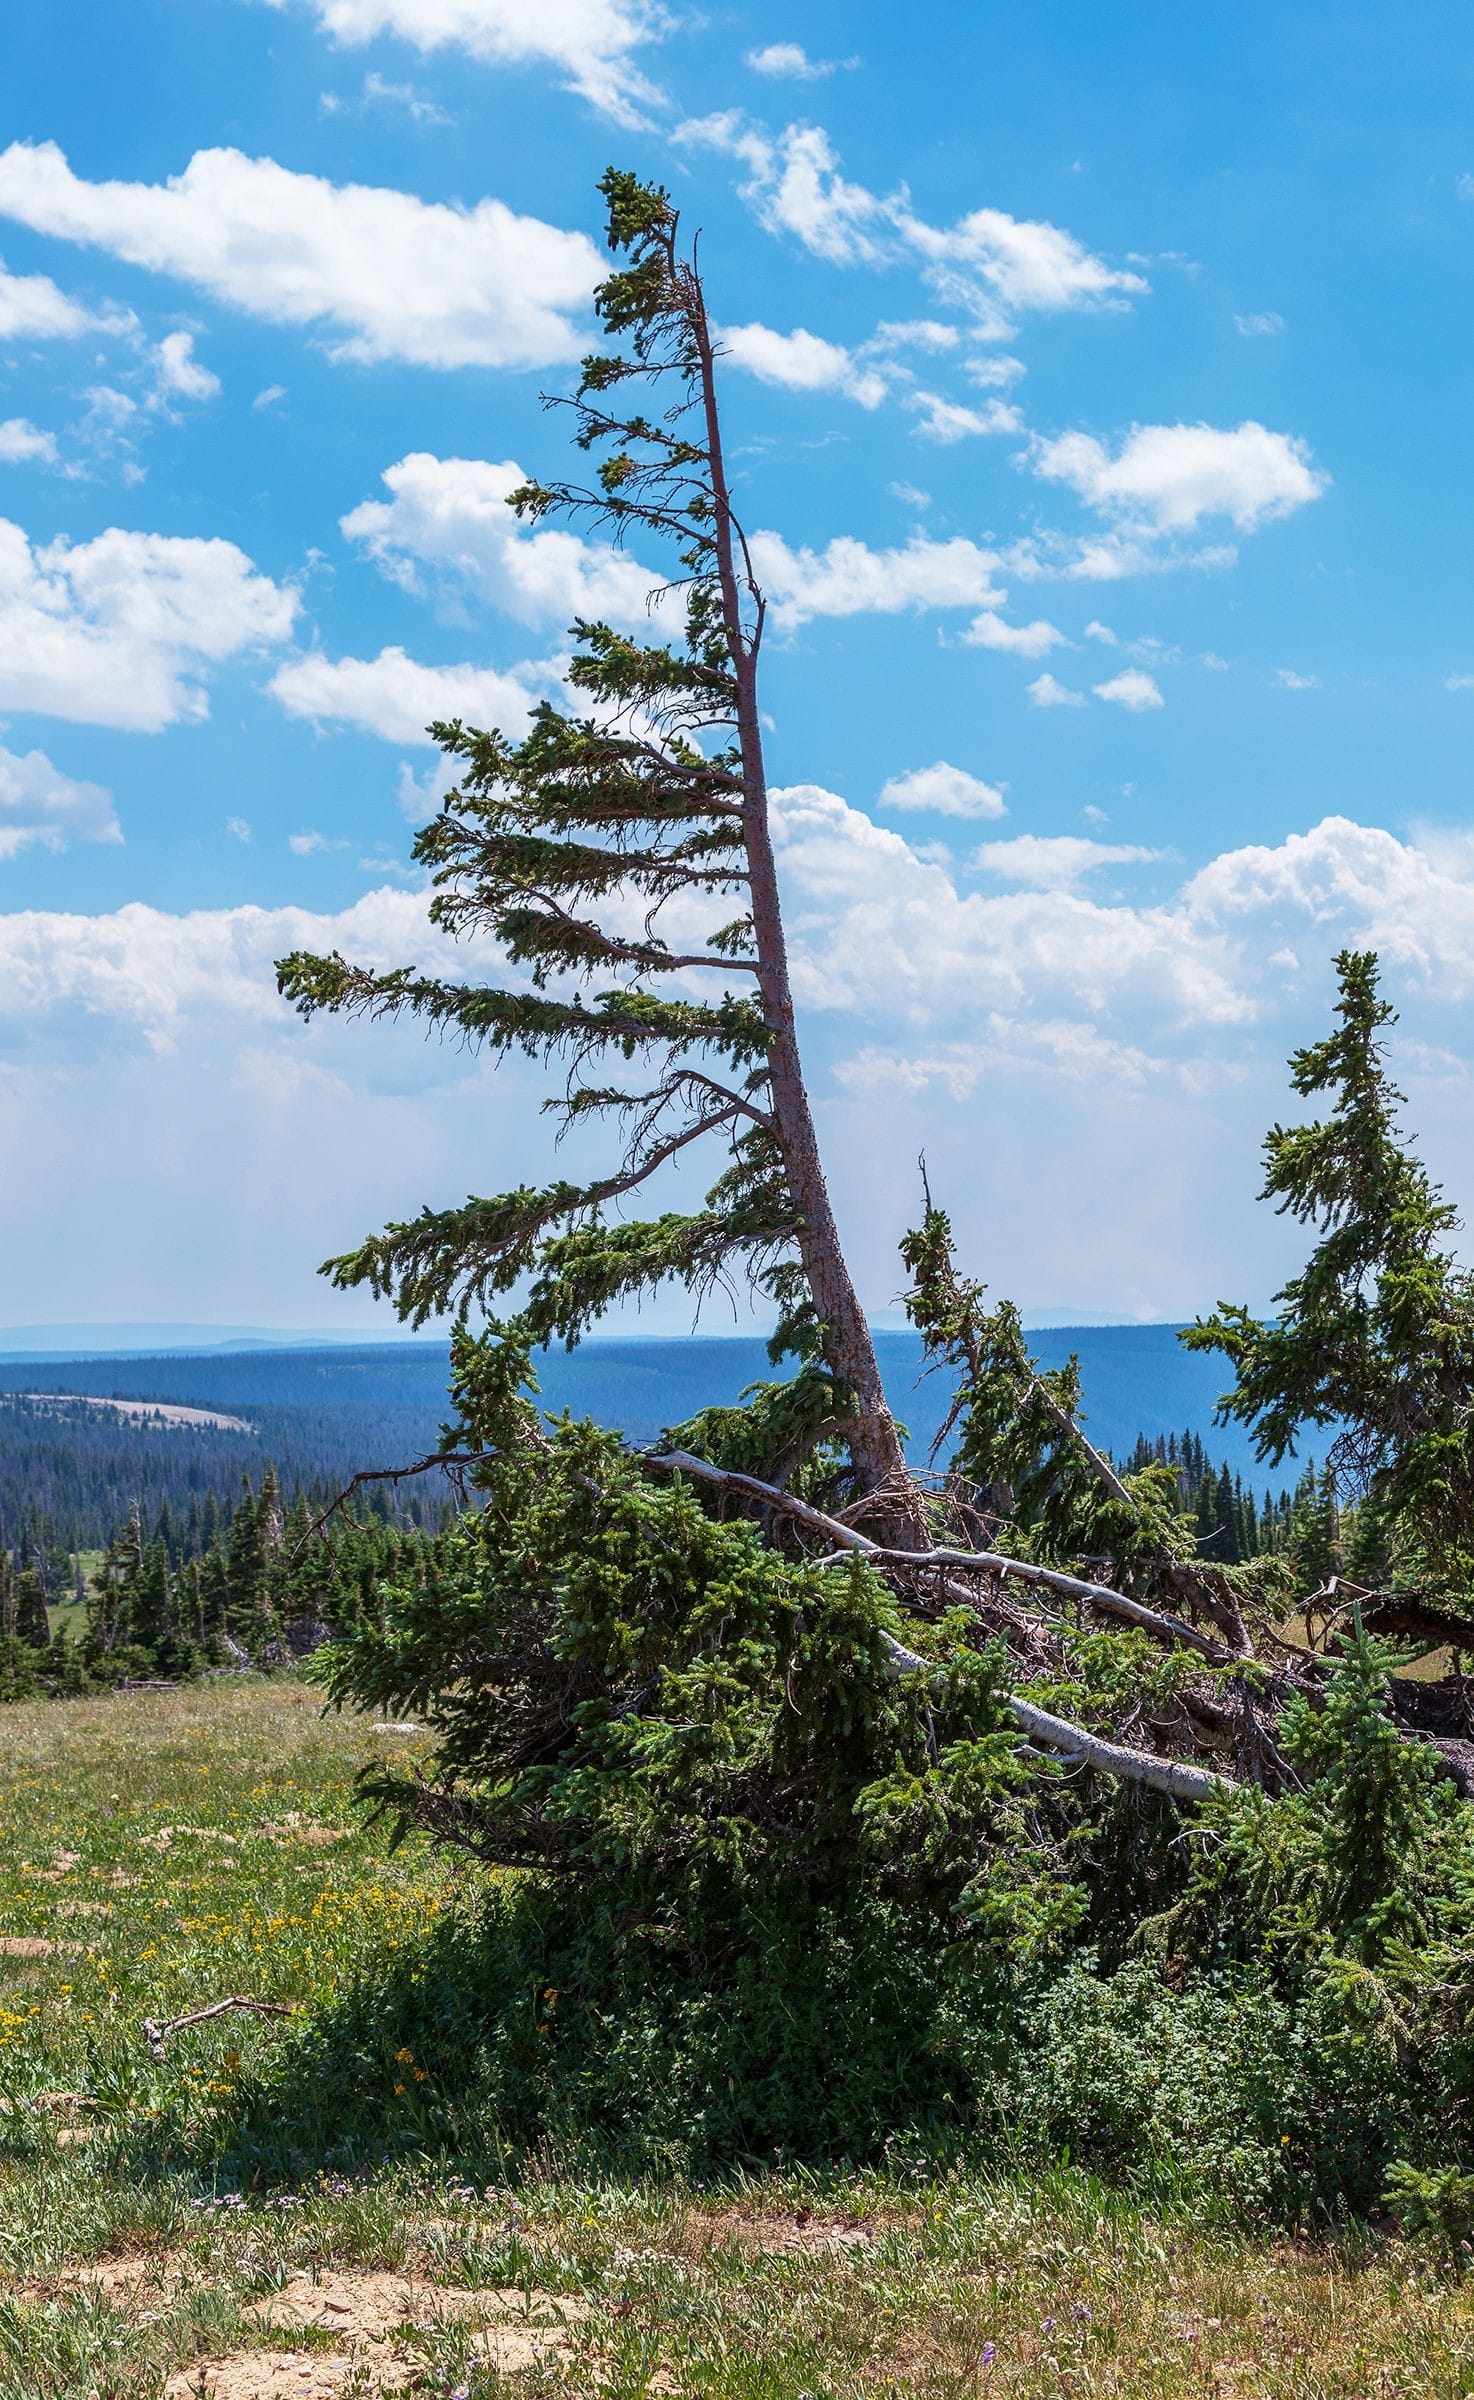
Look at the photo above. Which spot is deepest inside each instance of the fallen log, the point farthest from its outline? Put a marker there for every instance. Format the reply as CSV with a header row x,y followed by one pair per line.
x,y
1075,1746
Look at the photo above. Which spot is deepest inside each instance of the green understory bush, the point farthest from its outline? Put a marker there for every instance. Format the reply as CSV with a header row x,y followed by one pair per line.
x,y
753,1893
835,2036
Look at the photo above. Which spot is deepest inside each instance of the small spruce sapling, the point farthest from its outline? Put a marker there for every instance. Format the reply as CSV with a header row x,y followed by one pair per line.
x,y
1374,1339
1024,1473
32,1622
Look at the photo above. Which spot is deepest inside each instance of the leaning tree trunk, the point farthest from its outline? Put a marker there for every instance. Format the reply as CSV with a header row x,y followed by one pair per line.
x,y
874,1444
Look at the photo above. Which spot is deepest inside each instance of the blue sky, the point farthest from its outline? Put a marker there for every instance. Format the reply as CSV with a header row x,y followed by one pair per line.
x,y
1100,387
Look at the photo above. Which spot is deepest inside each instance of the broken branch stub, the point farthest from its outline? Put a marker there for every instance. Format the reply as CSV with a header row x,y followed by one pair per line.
x,y
157,2032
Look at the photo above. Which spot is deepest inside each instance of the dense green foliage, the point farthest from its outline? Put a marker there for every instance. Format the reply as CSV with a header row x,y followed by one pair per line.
x,y
621,1686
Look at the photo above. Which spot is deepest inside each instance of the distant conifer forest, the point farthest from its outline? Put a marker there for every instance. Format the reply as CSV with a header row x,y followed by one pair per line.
x,y
217,1569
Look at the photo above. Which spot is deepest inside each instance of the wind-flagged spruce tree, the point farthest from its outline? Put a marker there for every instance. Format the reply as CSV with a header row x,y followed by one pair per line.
x,y
623,852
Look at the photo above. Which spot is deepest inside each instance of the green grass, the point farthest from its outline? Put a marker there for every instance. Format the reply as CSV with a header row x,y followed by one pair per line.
x,y
175,1848
70,1615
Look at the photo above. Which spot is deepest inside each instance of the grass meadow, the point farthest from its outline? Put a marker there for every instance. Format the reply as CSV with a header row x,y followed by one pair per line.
x,y
162,1850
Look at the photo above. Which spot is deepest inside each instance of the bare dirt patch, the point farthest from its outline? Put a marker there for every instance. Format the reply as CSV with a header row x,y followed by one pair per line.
x,y
776,2233
370,2306
305,2374
128,2278
60,1867
124,2279
297,1828
369,2316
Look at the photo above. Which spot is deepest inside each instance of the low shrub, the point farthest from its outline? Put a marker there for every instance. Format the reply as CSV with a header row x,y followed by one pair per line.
x,y
754,1893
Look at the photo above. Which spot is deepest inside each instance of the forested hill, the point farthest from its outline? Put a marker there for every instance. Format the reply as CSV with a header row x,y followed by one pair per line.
x,y
321,1414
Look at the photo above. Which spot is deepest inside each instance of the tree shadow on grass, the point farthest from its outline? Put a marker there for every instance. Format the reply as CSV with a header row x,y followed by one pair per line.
x,y
535,2024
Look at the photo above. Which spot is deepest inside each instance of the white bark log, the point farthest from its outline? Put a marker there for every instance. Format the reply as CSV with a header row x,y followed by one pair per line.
x,y
1074,1744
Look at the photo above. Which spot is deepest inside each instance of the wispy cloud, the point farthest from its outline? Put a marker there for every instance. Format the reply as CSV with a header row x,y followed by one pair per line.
x,y
789,62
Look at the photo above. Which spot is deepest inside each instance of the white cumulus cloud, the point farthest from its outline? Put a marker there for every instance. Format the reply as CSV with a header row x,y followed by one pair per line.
x,y
1099,1029
1002,267
802,362
591,43
41,806
995,266
791,61
1132,689
1169,477
995,370
1055,862
989,631
943,420
121,630
143,971
384,275
179,374
794,186
1046,692
926,333
450,515
33,310
21,442
847,578
395,697
950,791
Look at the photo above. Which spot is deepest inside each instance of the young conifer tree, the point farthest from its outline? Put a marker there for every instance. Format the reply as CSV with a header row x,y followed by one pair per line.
x,y
1374,1339
32,1622
642,806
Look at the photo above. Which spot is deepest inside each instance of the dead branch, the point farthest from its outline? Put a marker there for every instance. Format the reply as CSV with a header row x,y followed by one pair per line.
x,y
1074,1587
1100,1467
156,2033
457,1465
1099,1596
1416,1620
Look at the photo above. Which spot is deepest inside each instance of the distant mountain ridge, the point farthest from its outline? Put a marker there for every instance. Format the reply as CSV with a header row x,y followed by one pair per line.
x,y
133,1341
347,1397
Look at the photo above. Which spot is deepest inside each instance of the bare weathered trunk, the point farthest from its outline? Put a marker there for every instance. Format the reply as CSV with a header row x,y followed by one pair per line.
x,y
875,1447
